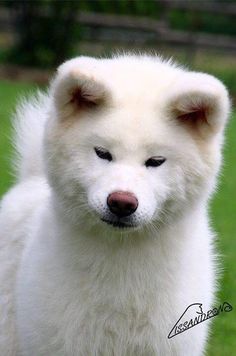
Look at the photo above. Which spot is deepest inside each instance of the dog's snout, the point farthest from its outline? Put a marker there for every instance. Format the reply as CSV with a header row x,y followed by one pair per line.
x,y
122,203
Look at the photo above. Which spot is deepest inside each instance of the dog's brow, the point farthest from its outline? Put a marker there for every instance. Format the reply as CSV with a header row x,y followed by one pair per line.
x,y
106,141
148,147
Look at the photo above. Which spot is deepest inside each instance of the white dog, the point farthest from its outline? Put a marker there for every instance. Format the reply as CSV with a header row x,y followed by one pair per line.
x,y
105,239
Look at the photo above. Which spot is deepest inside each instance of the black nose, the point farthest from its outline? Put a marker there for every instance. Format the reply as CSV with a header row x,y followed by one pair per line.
x,y
122,203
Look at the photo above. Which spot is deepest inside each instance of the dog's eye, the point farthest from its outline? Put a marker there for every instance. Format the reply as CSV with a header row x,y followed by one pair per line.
x,y
103,153
155,161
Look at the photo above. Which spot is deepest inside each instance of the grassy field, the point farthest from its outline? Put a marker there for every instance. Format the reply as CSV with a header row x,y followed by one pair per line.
x,y
223,208
9,95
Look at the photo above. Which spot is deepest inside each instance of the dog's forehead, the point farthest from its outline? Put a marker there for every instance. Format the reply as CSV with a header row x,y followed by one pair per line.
x,y
137,80
132,129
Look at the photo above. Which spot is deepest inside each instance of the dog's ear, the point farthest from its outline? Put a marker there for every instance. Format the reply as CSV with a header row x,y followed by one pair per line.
x,y
200,102
75,88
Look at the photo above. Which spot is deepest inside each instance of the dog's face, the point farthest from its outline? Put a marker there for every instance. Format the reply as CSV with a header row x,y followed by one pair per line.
x,y
132,142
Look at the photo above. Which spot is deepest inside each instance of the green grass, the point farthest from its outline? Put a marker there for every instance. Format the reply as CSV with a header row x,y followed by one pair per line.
x,y
10,93
223,340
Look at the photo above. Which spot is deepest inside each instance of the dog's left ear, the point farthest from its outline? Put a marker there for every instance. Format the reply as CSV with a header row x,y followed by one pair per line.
x,y
200,102
76,88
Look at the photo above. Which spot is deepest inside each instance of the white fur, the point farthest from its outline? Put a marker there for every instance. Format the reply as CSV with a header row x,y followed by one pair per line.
x,y
84,287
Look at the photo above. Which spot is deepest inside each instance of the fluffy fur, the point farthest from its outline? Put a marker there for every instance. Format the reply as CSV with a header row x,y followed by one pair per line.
x,y
74,285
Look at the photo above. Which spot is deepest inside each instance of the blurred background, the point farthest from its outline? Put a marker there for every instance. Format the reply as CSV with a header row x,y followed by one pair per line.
x,y
37,35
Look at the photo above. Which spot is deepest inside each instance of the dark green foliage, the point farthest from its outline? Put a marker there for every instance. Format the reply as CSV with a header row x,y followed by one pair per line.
x,y
202,22
48,30
45,31
123,7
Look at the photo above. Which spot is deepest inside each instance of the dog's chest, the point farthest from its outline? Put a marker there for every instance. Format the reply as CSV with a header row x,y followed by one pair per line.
x,y
99,304
109,328
106,307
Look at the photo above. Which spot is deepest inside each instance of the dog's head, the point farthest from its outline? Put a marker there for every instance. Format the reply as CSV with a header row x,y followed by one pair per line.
x,y
133,141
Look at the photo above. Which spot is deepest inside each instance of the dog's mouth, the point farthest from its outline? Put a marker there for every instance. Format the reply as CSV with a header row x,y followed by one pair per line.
x,y
119,224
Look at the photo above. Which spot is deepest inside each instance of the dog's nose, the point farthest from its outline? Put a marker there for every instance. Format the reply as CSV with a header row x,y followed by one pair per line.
x,y
122,203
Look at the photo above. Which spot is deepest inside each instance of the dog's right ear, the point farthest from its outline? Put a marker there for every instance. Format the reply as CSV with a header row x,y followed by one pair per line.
x,y
76,89
200,103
